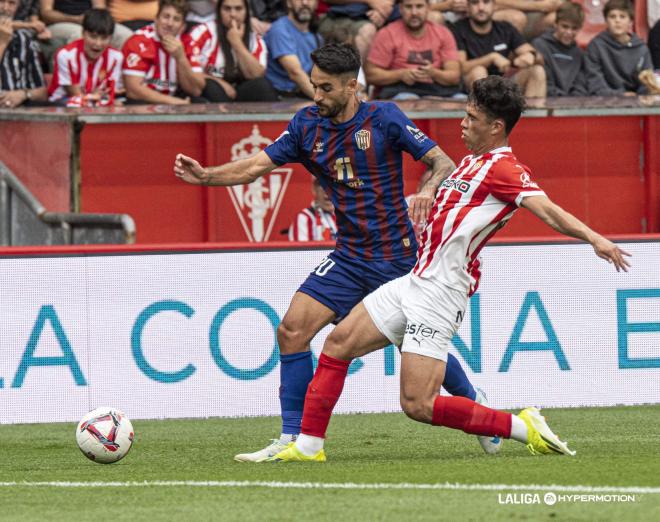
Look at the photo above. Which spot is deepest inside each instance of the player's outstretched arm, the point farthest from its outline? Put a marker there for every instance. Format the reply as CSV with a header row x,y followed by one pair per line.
x,y
441,167
233,173
569,225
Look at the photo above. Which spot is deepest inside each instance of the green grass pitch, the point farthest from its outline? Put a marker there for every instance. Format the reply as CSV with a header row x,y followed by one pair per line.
x,y
616,447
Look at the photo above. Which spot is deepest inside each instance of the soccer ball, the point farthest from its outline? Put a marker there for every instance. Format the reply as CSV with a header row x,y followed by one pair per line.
x,y
105,435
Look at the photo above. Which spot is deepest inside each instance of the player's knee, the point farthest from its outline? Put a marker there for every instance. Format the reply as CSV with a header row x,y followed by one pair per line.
x,y
291,338
337,344
414,406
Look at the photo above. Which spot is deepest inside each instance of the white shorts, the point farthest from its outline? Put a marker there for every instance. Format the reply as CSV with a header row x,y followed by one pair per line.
x,y
419,316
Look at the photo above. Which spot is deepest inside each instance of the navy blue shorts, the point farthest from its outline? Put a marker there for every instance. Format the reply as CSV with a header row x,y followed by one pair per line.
x,y
340,282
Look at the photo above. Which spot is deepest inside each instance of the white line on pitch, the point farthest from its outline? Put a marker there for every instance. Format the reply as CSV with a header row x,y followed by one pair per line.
x,y
340,485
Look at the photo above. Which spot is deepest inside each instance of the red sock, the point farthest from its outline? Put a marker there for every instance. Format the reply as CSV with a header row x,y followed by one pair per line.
x,y
464,414
322,395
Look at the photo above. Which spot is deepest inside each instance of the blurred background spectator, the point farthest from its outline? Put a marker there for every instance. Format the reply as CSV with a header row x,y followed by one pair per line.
x,y
232,56
616,56
265,12
88,71
529,17
488,47
654,44
156,68
563,60
134,14
64,18
27,17
316,222
412,57
290,40
21,78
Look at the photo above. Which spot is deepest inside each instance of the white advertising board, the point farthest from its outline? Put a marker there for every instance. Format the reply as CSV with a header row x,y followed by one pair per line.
x,y
193,334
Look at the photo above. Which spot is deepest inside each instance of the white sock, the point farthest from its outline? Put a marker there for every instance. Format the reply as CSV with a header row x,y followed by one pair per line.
x,y
309,445
285,438
518,429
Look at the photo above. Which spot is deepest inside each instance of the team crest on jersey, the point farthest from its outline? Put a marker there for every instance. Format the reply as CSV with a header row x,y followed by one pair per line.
x,y
258,203
363,139
133,59
318,146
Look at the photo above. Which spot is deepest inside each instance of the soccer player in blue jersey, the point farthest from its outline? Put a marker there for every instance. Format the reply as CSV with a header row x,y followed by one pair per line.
x,y
355,150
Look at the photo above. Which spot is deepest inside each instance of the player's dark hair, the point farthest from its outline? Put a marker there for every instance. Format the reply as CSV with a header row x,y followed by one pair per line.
x,y
337,58
499,98
621,5
179,5
232,72
98,21
572,13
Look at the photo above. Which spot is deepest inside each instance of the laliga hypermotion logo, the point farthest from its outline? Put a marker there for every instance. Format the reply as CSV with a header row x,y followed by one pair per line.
x,y
258,203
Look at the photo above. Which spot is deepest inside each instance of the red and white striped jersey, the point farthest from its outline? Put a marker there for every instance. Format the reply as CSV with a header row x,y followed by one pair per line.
x,y
73,68
145,56
202,45
473,203
313,224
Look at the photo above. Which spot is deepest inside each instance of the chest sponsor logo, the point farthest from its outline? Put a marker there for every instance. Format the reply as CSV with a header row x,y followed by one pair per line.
x,y
363,139
133,59
258,203
457,184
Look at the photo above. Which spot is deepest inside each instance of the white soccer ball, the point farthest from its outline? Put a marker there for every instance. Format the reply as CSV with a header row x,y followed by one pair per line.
x,y
105,435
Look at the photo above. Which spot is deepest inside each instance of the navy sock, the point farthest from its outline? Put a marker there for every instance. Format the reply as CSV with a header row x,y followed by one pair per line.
x,y
296,372
456,382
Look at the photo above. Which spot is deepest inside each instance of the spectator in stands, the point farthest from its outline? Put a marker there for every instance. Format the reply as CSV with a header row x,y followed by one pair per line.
x,y
21,78
562,58
316,222
134,14
27,17
530,17
362,18
290,41
413,57
156,69
615,57
88,71
488,47
265,12
232,56
654,45
64,19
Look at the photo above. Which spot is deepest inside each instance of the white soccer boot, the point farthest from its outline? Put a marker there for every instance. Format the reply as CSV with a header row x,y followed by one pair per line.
x,y
490,445
275,446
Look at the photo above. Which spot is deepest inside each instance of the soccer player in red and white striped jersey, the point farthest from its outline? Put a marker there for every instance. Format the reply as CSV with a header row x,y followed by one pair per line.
x,y
420,312
156,69
316,222
88,71
231,54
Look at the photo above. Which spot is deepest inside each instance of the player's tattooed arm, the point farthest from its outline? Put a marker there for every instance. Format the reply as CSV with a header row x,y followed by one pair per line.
x,y
441,167
234,173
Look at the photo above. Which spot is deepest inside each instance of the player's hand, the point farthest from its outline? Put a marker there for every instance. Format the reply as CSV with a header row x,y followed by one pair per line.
x,y
420,207
173,46
607,250
189,170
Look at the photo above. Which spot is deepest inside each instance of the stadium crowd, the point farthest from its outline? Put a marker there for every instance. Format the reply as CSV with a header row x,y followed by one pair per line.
x,y
105,52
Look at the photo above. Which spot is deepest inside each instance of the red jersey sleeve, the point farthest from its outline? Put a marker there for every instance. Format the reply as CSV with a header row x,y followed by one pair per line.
x,y
139,54
512,182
